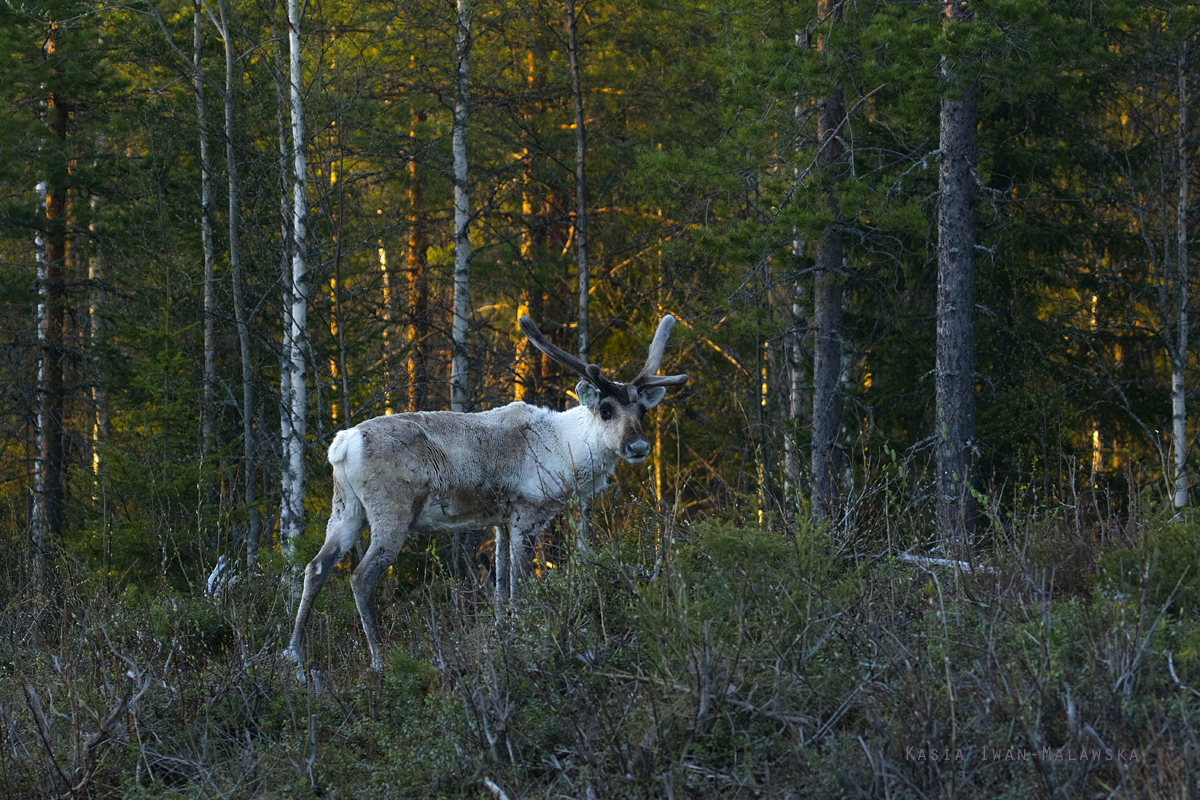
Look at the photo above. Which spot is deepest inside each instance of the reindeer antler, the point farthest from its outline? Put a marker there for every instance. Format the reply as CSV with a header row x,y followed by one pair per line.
x,y
647,378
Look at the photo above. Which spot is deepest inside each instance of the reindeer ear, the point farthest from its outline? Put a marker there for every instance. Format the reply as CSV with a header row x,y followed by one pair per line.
x,y
651,396
587,393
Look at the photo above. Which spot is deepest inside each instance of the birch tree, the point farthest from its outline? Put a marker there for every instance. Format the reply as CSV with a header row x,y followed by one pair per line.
x,y
37,513
1179,354
293,473
462,215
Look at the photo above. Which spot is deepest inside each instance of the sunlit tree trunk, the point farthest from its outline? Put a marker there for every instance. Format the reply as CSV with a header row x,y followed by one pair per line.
x,y
95,336
299,292
462,218
388,367
955,360
417,286
1180,355
581,219
235,269
827,311
528,367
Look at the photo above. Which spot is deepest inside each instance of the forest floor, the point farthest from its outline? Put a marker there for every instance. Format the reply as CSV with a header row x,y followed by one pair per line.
x,y
1064,663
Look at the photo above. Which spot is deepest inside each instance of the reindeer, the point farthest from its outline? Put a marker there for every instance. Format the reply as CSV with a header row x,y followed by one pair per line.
x,y
442,471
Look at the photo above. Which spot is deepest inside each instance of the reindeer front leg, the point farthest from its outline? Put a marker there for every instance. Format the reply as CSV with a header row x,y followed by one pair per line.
x,y
525,523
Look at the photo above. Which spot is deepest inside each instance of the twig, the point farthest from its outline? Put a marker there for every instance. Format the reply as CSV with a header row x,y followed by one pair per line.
x,y
495,788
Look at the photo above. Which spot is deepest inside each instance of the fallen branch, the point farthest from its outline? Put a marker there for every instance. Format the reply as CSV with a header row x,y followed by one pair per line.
x,y
961,566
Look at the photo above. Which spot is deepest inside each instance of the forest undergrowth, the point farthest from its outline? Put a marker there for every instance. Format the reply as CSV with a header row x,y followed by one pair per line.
x,y
702,659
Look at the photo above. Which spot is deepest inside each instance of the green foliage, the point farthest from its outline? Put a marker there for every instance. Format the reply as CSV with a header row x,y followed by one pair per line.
x,y
1163,569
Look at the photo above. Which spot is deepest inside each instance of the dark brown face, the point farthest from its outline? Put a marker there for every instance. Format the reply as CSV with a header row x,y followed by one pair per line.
x,y
622,425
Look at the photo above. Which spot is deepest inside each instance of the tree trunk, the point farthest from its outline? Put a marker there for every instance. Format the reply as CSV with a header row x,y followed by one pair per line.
x,y
797,378
299,291
208,402
1180,356
462,218
955,360
418,286
581,220
54,321
827,311
37,512
285,271
239,304
95,336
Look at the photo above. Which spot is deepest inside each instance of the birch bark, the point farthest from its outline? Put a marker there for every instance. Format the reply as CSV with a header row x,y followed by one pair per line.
x,y
37,512
285,273
299,293
462,217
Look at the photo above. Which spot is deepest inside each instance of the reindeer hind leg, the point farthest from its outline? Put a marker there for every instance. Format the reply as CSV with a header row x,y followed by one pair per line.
x,y
346,523
390,522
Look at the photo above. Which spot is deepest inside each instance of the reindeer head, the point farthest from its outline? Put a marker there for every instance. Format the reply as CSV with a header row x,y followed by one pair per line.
x,y
618,407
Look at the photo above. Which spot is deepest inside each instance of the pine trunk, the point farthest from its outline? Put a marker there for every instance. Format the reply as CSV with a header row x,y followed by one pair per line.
x,y
95,335
955,359
581,220
827,311
1180,356
54,323
418,287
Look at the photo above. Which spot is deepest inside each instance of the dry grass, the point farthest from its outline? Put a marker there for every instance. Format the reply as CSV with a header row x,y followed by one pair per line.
x,y
755,665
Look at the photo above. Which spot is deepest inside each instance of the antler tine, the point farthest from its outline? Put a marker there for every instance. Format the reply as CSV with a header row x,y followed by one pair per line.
x,y
569,361
662,380
654,357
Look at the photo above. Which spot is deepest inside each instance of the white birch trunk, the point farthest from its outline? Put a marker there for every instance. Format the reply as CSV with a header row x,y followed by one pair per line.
x,y
299,293
285,267
37,514
462,218
581,220
210,363
1179,361
794,356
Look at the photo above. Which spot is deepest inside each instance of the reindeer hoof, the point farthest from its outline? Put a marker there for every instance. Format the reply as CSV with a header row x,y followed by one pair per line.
x,y
292,655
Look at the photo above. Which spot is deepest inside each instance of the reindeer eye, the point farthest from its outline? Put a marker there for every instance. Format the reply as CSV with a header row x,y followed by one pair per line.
x,y
606,412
